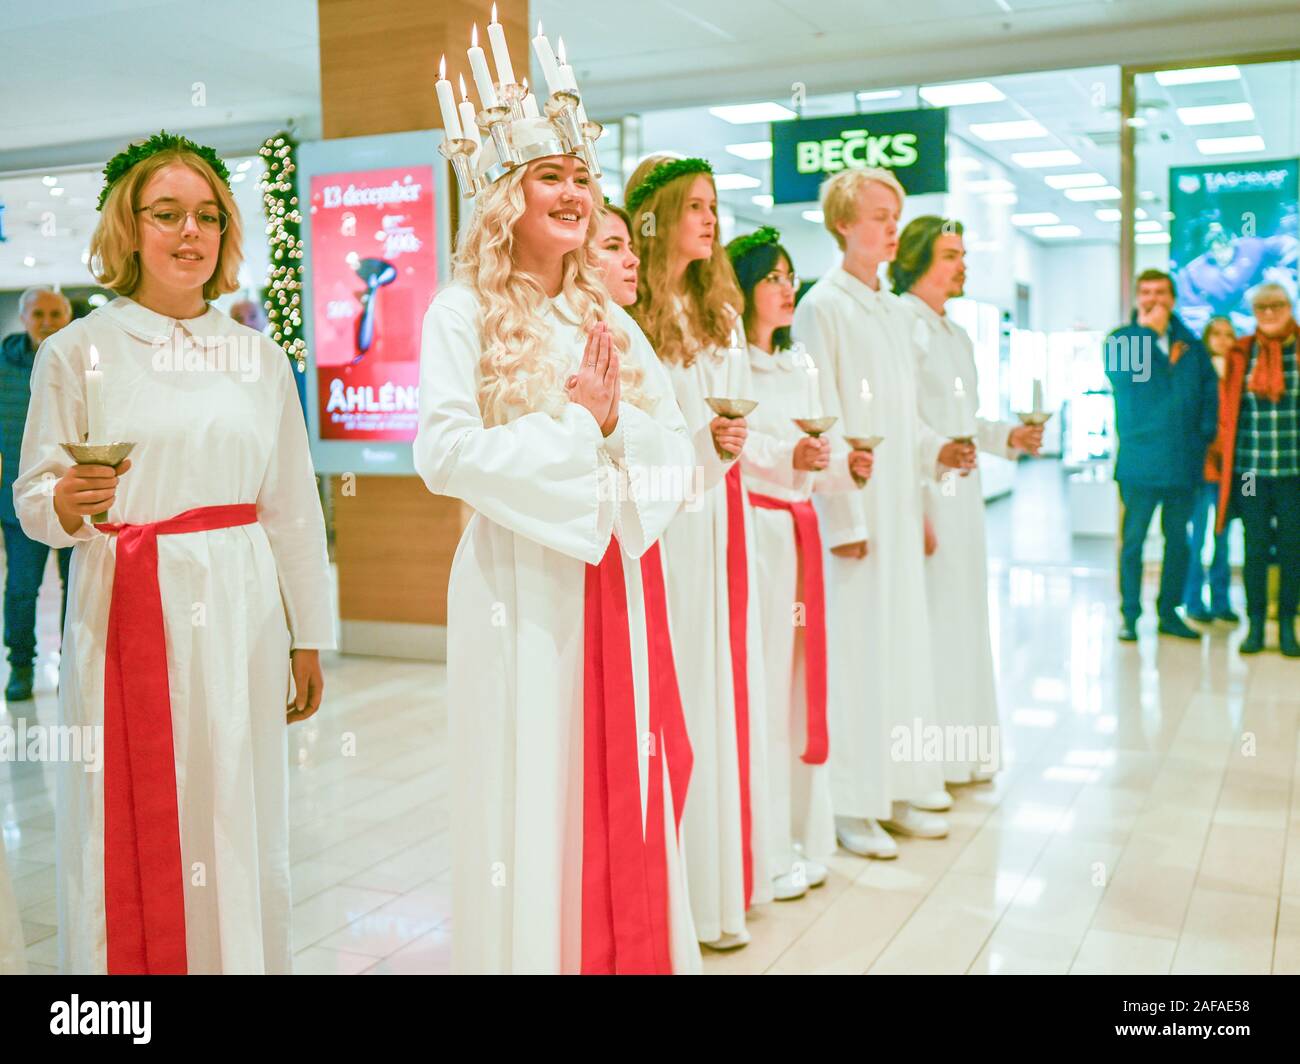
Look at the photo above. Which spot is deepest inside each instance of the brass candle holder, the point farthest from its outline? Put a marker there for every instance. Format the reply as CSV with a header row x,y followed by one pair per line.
x,y
730,409
815,426
106,454
862,443
1035,417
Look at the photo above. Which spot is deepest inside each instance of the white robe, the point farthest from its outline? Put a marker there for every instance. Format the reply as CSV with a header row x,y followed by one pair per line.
x,y
699,605
234,600
881,679
957,573
799,809
542,488
13,958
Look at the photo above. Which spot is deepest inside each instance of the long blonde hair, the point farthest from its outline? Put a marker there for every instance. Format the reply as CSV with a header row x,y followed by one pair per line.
x,y
712,299
114,254
519,367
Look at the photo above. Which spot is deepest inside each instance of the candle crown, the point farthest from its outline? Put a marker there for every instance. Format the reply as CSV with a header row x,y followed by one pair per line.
x,y
515,130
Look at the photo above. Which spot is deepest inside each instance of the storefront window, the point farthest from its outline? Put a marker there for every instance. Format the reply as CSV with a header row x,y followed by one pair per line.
x,y
1033,173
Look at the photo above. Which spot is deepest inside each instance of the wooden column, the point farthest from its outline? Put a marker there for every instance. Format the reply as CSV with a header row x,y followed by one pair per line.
x,y
394,540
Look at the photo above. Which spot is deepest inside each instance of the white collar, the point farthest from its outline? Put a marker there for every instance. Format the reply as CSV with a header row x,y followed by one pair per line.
x,y
928,312
145,324
870,298
761,361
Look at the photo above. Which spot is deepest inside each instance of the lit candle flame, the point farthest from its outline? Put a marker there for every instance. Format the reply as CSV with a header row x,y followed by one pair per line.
x,y
494,12
560,52
539,27
473,37
463,94
94,357
442,69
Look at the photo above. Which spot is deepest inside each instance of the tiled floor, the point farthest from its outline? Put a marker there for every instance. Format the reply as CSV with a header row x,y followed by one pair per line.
x,y
1147,818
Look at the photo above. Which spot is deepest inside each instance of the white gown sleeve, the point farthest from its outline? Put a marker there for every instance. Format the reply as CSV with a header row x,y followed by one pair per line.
x,y
771,459
288,509
57,415
542,477
995,437
844,516
653,453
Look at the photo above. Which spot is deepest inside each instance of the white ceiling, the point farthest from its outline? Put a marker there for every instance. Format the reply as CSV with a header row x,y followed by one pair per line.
x,y
82,77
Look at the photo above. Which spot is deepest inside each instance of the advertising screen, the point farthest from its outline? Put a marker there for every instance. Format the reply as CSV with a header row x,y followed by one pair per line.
x,y
376,238
1234,227
374,270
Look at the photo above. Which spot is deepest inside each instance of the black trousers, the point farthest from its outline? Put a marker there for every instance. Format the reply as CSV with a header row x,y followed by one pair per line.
x,y
1140,504
1271,499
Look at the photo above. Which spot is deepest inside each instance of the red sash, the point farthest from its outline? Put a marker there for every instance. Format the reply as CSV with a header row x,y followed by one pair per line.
x,y
625,909
738,625
144,880
808,542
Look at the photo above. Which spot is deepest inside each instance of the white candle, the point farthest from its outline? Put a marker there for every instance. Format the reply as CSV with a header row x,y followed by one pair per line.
x,y
500,52
814,388
467,119
963,416
97,433
447,102
545,56
1038,395
530,103
478,66
866,397
567,80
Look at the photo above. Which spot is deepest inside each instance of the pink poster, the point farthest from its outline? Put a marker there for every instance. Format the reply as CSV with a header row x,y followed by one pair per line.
x,y
374,272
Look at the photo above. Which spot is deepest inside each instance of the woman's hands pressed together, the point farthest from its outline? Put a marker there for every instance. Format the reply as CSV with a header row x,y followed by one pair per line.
x,y
596,385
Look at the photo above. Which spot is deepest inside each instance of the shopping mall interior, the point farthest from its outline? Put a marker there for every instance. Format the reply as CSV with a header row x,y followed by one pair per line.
x,y
1146,815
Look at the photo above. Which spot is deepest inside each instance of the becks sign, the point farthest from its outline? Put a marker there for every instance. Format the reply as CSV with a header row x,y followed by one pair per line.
x,y
911,144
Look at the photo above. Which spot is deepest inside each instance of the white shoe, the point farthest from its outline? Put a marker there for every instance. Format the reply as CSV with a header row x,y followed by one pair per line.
x,y
916,824
814,872
790,885
864,838
728,942
939,801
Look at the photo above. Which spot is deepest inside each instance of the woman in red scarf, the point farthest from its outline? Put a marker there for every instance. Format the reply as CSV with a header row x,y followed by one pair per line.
x,y
1260,434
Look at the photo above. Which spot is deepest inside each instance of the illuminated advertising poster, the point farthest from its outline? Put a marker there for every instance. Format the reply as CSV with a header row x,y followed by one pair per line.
x,y
374,272
1234,227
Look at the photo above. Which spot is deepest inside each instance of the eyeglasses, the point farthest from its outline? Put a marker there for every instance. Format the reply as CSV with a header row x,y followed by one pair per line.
x,y
782,278
172,219
1273,308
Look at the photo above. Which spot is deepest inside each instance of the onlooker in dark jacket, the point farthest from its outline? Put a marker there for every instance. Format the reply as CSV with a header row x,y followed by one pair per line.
x,y
43,313
1261,461
1166,415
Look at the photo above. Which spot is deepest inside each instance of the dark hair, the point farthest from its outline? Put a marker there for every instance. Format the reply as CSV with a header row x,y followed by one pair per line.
x,y
751,268
615,209
916,249
1205,333
1156,275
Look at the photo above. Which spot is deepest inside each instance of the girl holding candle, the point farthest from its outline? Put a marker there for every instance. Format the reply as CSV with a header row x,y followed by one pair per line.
x,y
929,270
538,399
788,564
190,608
689,306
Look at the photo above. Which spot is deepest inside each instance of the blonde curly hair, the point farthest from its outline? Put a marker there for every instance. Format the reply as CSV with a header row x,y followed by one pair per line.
x,y
519,367
711,298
